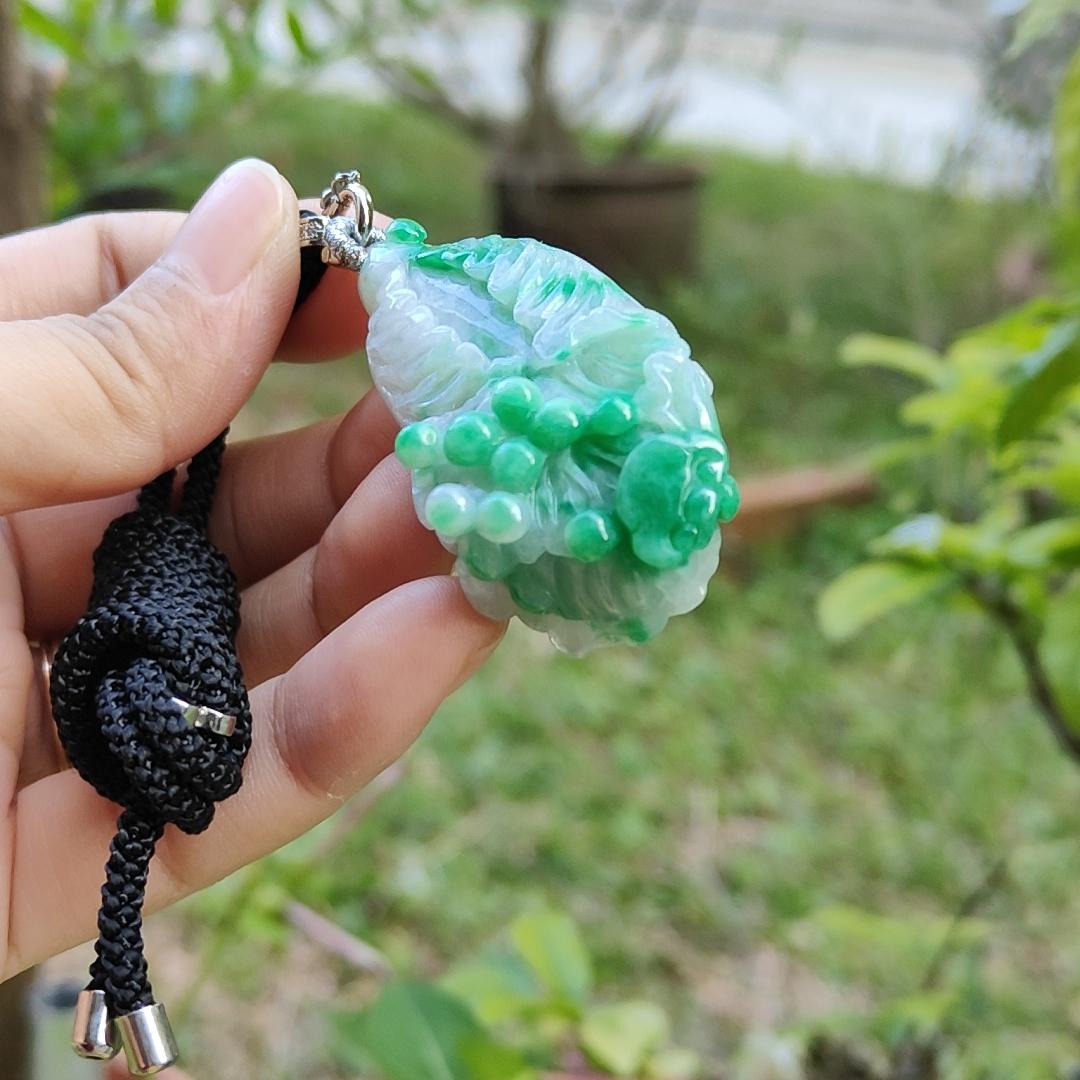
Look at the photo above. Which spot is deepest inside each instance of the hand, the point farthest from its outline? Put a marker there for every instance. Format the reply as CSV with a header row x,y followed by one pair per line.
x,y
348,643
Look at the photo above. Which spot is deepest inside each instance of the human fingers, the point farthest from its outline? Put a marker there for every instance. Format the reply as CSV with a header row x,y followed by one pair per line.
x,y
374,544
102,254
96,404
276,496
322,730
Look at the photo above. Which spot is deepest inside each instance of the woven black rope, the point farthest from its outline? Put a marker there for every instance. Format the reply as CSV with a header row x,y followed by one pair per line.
x,y
161,625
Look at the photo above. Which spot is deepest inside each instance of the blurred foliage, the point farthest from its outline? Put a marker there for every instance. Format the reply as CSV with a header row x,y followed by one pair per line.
x,y
420,51
135,81
693,806
1067,136
1038,20
995,467
138,81
519,1007
762,838
993,473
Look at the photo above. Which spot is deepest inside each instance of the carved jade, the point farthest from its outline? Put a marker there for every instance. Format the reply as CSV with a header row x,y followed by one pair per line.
x,y
562,442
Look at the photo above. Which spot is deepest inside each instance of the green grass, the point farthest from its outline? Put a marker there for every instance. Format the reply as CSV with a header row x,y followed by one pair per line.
x,y
695,802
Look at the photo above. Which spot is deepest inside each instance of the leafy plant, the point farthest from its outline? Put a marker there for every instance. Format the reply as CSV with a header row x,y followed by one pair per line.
x,y
943,1017
1024,57
998,456
521,1008
990,481
126,92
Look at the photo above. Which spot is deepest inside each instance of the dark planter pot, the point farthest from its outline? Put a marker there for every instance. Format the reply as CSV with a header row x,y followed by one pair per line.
x,y
634,221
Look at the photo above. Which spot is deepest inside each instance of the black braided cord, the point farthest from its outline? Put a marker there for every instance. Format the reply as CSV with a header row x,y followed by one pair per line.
x,y
161,624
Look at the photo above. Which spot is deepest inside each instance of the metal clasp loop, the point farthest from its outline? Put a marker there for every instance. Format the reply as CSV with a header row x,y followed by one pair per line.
x,y
346,227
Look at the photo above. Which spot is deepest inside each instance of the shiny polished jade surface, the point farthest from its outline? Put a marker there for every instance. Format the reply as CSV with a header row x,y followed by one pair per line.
x,y
562,441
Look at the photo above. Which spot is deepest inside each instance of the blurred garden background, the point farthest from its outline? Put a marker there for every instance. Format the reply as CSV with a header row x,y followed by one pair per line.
x,y
788,840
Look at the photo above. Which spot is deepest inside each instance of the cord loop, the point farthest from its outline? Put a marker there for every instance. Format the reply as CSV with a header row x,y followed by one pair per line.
x,y
161,625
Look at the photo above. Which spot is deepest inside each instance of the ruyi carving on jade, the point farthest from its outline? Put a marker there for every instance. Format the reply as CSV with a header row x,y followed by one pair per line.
x,y
562,441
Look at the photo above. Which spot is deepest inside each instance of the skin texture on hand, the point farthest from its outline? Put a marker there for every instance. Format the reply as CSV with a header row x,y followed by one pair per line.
x,y
127,342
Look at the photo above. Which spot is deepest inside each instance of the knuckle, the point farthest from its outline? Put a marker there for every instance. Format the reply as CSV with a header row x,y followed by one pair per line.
x,y
92,365
110,263
132,348
297,754
108,348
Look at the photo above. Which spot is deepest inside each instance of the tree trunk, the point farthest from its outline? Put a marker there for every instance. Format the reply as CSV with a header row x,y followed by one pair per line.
x,y
543,140
23,105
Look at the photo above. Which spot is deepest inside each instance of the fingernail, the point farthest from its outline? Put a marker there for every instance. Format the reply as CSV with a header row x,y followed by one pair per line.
x,y
231,226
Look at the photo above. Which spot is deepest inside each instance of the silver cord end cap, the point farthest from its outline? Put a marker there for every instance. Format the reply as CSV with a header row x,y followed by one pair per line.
x,y
148,1040
93,1034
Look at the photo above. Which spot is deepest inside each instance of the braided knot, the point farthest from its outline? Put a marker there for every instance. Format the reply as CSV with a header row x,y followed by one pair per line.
x,y
161,626
161,622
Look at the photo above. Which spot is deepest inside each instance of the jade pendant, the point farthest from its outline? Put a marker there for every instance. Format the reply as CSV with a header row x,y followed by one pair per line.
x,y
562,442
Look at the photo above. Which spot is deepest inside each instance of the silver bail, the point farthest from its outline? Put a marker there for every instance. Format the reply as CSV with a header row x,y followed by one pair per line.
x,y
346,227
94,1034
148,1040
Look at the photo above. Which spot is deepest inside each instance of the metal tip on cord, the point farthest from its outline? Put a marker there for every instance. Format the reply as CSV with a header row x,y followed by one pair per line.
x,y
94,1033
145,1034
148,1040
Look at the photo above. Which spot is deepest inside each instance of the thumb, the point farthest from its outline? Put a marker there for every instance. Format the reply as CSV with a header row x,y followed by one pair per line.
x,y
95,405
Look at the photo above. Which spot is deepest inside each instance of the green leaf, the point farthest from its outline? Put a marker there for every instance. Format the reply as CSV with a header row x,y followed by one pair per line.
x,y
1047,375
1056,541
673,1063
620,1038
896,354
488,1060
920,538
413,1031
1060,478
299,35
1067,134
1017,331
972,405
497,987
166,11
1039,20
1060,649
868,592
47,27
550,944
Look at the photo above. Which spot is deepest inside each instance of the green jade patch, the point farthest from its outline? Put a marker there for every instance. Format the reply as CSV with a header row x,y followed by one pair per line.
x,y
563,443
